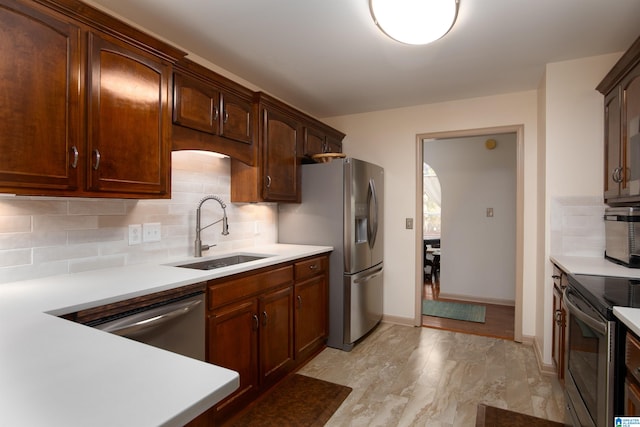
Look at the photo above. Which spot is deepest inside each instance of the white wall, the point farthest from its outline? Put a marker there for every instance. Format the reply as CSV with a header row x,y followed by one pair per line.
x,y
478,259
569,162
44,236
389,139
573,156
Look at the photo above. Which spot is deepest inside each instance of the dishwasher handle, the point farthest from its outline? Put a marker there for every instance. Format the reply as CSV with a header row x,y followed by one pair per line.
x,y
148,319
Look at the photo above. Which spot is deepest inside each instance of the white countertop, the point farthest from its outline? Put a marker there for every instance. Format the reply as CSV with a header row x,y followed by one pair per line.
x,y
55,372
596,266
602,267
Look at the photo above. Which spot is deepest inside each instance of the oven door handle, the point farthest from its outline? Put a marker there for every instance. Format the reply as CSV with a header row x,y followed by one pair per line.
x,y
595,323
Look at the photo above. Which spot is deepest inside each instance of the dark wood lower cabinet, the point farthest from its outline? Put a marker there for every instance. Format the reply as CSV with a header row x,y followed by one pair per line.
x,y
264,324
276,335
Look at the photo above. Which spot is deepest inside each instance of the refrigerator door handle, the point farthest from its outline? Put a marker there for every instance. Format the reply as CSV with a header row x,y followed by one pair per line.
x,y
372,202
368,277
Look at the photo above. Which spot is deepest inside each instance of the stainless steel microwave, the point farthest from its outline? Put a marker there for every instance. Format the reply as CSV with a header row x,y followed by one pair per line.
x,y
622,233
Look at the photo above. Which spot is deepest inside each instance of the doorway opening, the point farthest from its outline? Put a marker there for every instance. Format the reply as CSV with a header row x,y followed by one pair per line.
x,y
479,260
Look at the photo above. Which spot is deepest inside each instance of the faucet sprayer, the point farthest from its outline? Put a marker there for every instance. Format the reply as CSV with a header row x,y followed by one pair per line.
x,y
199,247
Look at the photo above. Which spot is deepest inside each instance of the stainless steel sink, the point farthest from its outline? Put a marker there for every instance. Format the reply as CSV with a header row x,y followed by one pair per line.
x,y
210,264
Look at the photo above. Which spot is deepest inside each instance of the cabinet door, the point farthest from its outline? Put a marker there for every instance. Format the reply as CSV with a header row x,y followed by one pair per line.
x,y
233,344
314,142
631,398
195,104
612,153
631,134
558,341
237,118
310,315
276,334
281,170
334,145
40,124
129,120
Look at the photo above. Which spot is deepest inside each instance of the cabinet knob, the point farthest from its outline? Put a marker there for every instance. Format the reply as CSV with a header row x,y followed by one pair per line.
x,y
216,113
74,153
558,316
226,116
617,175
268,181
97,156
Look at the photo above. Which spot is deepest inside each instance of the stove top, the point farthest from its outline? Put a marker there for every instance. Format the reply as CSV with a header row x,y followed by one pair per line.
x,y
604,292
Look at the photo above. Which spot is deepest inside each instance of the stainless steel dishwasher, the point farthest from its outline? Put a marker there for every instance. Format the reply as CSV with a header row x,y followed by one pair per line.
x,y
176,325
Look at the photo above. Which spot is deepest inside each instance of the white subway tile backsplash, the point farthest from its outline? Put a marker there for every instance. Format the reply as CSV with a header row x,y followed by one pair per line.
x,y
64,222
44,236
577,226
15,224
15,257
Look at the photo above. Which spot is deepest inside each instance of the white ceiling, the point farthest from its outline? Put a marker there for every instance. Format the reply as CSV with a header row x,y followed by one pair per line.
x,y
328,58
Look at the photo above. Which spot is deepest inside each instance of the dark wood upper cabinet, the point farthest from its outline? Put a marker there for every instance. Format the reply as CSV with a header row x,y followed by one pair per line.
x,y
129,121
276,176
621,88
92,107
319,139
40,101
212,113
85,103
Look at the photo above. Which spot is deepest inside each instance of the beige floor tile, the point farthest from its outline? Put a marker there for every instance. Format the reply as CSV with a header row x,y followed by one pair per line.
x,y
406,376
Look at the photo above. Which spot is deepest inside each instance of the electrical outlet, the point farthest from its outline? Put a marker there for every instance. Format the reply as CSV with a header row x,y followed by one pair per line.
x,y
408,223
135,234
151,232
489,212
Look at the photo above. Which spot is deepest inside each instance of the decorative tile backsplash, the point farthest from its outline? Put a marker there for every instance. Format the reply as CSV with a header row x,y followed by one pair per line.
x,y
44,236
577,226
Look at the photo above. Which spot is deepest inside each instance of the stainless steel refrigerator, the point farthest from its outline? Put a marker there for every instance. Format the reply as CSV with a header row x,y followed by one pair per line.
x,y
343,206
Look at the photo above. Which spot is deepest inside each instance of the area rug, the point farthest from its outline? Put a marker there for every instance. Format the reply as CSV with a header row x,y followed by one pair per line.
x,y
297,401
488,416
454,310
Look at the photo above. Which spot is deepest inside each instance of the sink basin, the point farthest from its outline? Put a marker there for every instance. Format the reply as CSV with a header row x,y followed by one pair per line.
x,y
210,264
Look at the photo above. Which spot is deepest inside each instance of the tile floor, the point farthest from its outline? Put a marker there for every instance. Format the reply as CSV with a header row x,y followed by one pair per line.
x,y
406,376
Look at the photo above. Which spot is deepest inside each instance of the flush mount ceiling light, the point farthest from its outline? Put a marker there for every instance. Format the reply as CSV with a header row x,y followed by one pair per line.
x,y
414,21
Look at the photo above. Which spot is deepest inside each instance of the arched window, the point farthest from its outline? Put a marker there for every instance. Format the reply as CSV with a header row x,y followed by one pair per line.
x,y
431,201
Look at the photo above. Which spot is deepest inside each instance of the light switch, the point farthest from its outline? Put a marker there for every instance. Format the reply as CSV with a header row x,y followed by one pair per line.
x,y
489,212
408,223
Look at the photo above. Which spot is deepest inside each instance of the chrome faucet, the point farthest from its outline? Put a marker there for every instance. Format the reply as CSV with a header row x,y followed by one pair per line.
x,y
199,247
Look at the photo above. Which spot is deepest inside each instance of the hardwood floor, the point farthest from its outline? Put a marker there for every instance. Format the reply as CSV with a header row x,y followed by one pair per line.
x,y
499,319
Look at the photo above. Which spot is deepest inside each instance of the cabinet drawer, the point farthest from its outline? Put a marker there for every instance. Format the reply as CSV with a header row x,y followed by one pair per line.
x,y
310,268
632,355
226,291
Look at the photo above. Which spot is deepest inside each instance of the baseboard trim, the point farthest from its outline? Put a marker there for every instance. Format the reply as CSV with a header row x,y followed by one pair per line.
x,y
405,321
544,368
495,301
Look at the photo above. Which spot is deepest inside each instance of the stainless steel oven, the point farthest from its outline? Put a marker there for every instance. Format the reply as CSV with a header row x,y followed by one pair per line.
x,y
590,362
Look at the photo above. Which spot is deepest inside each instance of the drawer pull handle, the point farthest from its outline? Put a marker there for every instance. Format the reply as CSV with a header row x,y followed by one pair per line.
x,y
256,322
313,267
299,302
97,155
265,318
216,113
74,162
